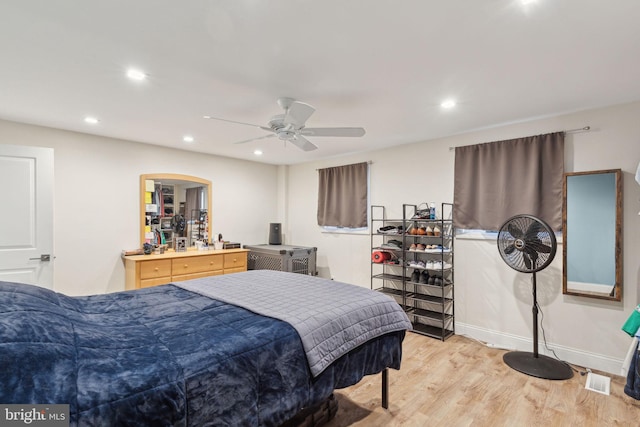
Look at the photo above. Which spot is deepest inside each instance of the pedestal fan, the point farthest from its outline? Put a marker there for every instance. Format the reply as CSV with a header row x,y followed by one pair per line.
x,y
527,244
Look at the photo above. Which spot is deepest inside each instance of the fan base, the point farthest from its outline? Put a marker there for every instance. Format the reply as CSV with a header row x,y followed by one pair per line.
x,y
541,366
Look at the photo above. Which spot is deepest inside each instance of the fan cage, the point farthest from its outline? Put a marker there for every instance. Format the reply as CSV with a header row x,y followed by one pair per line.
x,y
526,243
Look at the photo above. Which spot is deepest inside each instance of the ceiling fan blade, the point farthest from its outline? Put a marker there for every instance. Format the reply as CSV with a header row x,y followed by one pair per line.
x,y
347,132
233,121
303,143
298,113
255,139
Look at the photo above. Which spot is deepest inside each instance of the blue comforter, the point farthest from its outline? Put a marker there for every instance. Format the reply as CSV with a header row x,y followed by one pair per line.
x,y
164,356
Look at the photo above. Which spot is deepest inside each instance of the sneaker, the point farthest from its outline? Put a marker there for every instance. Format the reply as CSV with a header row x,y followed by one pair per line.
x,y
420,247
424,277
412,247
415,276
432,280
429,265
437,265
421,264
446,266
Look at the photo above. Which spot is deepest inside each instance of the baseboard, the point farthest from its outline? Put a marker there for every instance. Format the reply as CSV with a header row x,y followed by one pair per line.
x,y
578,358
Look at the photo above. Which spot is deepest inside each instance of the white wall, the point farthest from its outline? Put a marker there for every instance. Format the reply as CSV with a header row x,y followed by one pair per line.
x,y
97,196
493,302
96,216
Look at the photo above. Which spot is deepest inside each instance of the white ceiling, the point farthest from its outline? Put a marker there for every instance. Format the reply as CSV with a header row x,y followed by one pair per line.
x,y
385,65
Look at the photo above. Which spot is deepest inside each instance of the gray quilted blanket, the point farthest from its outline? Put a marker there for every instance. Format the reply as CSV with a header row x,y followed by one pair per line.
x,y
331,317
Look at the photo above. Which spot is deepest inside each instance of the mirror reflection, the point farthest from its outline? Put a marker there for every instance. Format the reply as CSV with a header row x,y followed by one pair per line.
x,y
174,209
592,234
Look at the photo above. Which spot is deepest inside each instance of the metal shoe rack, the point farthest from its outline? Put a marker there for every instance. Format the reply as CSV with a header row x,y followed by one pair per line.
x,y
387,275
429,300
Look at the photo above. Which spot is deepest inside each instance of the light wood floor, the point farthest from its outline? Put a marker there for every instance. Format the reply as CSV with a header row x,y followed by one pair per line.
x,y
461,382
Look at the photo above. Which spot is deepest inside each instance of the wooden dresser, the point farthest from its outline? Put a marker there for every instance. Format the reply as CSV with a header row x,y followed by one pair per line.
x,y
142,271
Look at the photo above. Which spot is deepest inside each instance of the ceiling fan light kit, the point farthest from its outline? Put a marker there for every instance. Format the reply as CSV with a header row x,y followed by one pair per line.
x,y
290,126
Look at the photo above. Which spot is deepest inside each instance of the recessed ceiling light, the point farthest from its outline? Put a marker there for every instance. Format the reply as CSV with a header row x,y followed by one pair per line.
x,y
258,152
187,138
91,120
449,103
134,74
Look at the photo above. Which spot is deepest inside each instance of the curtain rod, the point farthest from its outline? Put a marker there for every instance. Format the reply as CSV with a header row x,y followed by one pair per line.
x,y
368,162
582,129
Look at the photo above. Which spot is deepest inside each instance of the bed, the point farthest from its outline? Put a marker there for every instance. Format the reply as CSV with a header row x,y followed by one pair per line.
x,y
210,351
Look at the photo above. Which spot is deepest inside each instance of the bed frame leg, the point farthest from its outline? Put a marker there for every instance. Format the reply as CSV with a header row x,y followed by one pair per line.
x,y
385,388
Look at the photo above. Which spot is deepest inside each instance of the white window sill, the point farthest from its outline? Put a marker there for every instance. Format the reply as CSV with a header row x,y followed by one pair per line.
x,y
491,236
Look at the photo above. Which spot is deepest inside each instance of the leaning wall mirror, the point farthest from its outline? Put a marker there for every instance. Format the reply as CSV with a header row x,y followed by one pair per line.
x,y
592,234
174,206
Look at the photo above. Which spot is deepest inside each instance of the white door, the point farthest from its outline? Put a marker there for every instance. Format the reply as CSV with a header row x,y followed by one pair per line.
x,y
26,215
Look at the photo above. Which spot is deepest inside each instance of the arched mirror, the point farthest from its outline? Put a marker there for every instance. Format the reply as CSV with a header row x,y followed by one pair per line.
x,y
174,206
592,234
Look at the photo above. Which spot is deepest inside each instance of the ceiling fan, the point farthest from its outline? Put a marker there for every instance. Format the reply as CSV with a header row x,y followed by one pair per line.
x,y
290,126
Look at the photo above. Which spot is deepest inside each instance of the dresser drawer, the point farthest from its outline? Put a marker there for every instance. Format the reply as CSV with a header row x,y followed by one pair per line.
x,y
155,268
184,277
196,264
235,260
147,283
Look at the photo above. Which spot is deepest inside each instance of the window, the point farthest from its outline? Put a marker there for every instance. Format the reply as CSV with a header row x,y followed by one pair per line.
x,y
343,197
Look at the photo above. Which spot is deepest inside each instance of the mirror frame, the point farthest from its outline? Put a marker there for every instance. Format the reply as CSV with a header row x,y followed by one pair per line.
x,y
618,237
171,176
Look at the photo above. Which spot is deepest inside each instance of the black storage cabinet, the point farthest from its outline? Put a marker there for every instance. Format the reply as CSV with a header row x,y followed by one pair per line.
x,y
294,259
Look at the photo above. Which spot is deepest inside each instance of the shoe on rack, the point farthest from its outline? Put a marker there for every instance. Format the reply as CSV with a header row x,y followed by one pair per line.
x,y
421,264
420,247
429,265
432,280
424,277
437,265
429,231
415,276
436,231
421,231
412,247
446,266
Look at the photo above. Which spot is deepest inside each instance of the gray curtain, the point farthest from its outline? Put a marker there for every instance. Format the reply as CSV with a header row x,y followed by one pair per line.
x,y
342,196
192,202
497,180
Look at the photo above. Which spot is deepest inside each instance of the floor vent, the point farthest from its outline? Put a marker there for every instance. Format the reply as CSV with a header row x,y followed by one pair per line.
x,y
598,383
